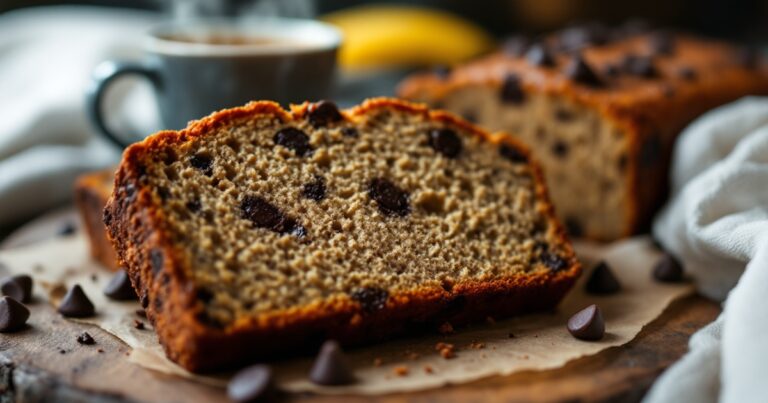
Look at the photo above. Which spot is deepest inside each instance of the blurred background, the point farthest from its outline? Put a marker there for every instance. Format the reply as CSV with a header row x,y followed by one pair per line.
x,y
49,49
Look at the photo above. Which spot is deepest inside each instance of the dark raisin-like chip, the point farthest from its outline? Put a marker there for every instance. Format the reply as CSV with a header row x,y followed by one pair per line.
x,y
512,153
314,190
323,113
640,66
193,205
331,366
539,55
553,261
293,139
204,295
512,90
391,199
264,214
86,339
560,149
203,163
578,70
371,299
445,141
350,132
587,324
76,304
157,260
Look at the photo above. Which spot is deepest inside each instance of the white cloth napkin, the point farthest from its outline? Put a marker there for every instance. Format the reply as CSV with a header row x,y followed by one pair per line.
x,y
716,223
46,58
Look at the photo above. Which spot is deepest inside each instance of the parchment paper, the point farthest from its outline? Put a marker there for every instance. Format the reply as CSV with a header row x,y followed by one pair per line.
x,y
533,342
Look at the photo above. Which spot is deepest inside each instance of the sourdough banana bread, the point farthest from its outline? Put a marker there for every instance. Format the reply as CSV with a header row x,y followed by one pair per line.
x,y
600,110
92,190
258,231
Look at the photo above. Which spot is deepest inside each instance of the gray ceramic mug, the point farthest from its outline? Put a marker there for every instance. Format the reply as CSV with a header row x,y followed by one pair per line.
x,y
200,67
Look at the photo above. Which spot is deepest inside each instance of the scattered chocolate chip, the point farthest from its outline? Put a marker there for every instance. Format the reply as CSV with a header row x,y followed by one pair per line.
x,y
314,190
140,312
587,324
76,304
119,287
539,55
512,90
747,57
264,214
602,281
442,72
578,70
390,199
157,260
13,315
202,162
18,287
668,270
293,139
573,227
516,46
687,73
250,384
86,339
640,66
193,205
138,324
512,153
445,141
323,113
331,366
350,132
662,43
553,261
371,299
68,228
560,149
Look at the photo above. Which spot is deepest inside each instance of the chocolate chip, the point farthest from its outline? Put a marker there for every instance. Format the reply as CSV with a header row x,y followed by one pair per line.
x,y
67,229
445,141
144,300
323,113
250,384
264,214
511,90
578,70
193,205
314,190
668,270
390,199
442,72
331,366
157,260
350,132
18,287
553,261
119,287
662,43
560,149
202,162
640,66
687,73
602,281
650,151
371,299
76,304
539,55
516,46
587,324
511,153
13,315
86,339
293,139
573,227
138,325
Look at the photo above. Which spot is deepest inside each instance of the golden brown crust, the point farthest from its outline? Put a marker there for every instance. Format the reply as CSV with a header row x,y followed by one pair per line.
x,y
136,228
654,110
92,190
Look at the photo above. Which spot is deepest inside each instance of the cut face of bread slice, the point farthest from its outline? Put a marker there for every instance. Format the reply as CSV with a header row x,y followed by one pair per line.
x,y
257,231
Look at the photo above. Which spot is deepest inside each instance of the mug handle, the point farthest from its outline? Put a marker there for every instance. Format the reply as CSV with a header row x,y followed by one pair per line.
x,y
104,75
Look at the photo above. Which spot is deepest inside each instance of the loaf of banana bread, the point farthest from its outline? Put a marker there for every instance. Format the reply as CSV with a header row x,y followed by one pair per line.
x,y
600,108
92,190
258,231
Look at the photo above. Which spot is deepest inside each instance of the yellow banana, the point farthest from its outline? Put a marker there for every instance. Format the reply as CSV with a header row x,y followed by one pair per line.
x,y
397,36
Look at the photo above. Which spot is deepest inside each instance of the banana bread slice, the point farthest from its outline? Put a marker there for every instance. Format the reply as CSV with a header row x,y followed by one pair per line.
x,y
258,231
92,190
600,108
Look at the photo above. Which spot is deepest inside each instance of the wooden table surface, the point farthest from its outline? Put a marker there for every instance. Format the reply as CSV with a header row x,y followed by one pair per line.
x,y
45,363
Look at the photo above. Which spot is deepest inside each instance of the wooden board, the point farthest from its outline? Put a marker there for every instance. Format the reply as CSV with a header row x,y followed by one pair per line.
x,y
34,368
